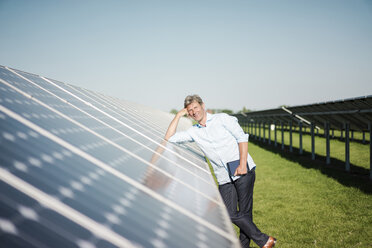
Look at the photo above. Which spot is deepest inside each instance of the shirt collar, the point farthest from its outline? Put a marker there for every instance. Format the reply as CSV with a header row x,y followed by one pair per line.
x,y
209,118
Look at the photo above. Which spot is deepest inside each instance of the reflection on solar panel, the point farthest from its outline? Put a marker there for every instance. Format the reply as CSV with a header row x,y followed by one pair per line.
x,y
81,169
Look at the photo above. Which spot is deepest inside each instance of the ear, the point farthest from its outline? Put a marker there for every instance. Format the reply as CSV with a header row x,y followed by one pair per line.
x,y
203,106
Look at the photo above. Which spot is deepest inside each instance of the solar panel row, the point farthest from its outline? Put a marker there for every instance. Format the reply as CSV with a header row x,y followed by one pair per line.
x,y
355,111
80,169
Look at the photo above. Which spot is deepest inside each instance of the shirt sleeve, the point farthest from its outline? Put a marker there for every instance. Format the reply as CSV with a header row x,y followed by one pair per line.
x,y
181,137
232,125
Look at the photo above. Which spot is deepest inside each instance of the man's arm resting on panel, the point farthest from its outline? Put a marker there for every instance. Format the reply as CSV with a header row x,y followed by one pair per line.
x,y
243,151
174,123
170,132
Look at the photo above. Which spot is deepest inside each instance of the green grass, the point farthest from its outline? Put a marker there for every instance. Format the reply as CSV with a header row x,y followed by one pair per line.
x,y
305,207
306,203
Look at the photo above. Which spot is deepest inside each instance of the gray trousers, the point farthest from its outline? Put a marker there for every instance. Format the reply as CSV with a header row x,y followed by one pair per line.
x,y
241,192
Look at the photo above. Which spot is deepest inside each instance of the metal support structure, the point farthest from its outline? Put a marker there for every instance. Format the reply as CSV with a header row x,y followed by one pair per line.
x,y
370,150
347,147
290,136
269,133
276,143
300,134
341,120
326,131
259,131
312,141
281,124
255,130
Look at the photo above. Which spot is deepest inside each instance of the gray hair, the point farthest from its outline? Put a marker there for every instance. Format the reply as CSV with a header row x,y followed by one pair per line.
x,y
192,98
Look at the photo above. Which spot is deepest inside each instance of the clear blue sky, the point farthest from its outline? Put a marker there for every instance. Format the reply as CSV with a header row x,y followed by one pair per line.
x,y
257,54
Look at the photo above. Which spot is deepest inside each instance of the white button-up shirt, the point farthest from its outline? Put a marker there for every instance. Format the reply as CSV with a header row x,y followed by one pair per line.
x,y
219,141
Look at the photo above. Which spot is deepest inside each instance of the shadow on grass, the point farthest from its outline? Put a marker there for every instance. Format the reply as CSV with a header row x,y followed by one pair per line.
x,y
358,177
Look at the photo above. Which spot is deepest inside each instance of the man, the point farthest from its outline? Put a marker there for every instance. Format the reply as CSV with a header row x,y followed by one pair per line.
x,y
222,140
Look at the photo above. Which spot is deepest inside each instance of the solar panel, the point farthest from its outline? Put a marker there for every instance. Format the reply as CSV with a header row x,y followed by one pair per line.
x,y
355,111
80,169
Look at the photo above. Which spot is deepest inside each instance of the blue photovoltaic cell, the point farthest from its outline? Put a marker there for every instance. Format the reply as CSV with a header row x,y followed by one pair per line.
x,y
29,223
102,149
131,116
73,100
109,133
180,205
83,186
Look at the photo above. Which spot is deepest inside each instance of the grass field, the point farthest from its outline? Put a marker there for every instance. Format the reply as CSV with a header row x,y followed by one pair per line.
x,y
310,207
306,203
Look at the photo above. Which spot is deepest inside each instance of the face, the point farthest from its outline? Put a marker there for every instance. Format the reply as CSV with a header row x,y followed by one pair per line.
x,y
196,111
